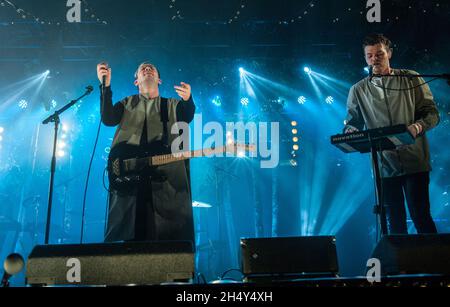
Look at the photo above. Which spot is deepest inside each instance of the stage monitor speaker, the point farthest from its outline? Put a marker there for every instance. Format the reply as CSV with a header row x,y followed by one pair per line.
x,y
290,256
116,264
414,254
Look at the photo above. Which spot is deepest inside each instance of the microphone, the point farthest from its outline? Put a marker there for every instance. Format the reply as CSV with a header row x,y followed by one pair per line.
x,y
104,77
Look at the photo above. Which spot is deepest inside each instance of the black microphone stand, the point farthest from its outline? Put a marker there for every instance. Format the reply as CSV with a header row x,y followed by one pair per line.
x,y
55,119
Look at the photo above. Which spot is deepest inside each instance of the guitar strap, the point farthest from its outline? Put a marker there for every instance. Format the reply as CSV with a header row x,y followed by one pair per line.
x,y
165,120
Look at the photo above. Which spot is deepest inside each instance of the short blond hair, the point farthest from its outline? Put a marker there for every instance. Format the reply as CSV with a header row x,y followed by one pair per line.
x,y
146,63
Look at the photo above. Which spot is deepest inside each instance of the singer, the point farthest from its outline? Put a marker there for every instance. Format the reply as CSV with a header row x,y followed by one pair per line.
x,y
378,101
159,206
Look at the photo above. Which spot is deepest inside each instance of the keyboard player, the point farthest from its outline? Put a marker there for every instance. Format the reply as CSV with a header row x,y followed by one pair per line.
x,y
372,103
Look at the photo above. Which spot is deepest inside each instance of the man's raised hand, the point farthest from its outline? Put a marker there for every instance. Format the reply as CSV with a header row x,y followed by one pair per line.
x,y
184,91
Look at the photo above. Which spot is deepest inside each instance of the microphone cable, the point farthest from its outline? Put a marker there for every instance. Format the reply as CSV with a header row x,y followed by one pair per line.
x,y
90,163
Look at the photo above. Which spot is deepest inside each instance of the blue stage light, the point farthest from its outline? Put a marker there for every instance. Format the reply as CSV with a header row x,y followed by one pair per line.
x,y
23,104
245,101
241,154
61,153
301,100
307,70
329,100
217,101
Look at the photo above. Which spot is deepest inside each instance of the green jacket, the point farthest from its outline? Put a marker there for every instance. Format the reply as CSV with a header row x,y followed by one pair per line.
x,y
168,201
370,106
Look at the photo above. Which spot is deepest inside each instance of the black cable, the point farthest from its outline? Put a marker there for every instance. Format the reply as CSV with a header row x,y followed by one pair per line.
x,y
382,215
405,89
200,275
104,183
87,181
105,228
89,174
228,271
377,200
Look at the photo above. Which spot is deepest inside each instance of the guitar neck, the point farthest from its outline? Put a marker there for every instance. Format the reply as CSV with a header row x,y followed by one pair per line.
x,y
182,156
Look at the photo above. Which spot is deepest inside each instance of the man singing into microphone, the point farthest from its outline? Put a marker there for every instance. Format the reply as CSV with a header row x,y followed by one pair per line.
x,y
373,103
159,206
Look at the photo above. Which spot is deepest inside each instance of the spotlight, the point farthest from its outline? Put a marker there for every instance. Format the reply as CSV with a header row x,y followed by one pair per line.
x,y
217,101
307,70
294,131
295,147
23,104
241,70
329,100
54,103
1,138
47,72
61,153
245,101
294,123
65,128
295,139
13,265
301,100
62,145
366,70
2,129
241,154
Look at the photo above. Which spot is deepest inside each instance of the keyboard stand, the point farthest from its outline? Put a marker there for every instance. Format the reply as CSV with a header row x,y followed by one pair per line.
x,y
379,208
375,141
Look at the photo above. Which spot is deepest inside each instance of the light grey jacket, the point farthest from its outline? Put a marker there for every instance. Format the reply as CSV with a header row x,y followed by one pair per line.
x,y
370,106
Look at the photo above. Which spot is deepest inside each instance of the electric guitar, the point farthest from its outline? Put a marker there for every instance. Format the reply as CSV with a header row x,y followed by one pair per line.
x,y
130,164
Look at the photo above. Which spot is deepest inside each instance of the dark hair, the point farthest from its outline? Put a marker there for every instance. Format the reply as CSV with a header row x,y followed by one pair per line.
x,y
375,39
